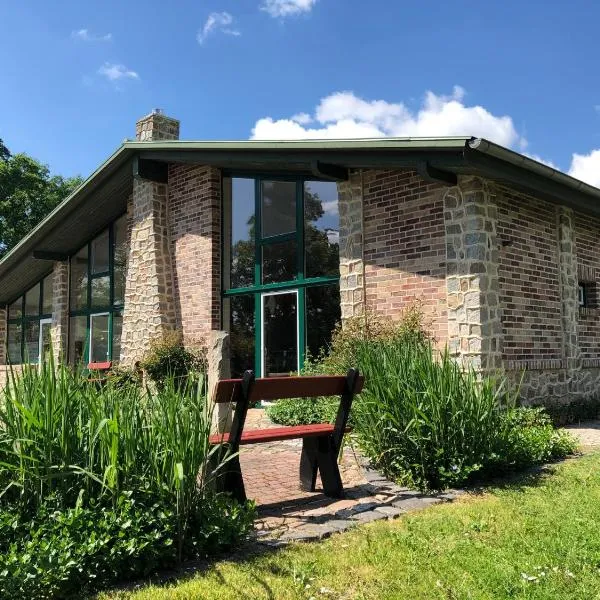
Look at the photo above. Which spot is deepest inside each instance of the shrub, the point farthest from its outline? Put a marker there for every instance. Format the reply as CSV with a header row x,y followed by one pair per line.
x,y
527,437
168,358
132,470
422,420
341,356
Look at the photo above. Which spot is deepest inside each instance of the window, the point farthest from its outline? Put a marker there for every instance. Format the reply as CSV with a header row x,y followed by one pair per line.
x,y
29,323
281,271
97,296
582,295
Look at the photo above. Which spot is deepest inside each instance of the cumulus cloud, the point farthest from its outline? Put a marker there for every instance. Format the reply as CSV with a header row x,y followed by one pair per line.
x,y
116,72
345,115
287,8
217,21
586,167
84,35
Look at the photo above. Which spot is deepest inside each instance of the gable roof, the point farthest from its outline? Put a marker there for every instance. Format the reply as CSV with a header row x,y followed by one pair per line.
x,y
102,197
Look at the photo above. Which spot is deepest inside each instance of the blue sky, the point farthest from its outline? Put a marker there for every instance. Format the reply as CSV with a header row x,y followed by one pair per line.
x,y
76,75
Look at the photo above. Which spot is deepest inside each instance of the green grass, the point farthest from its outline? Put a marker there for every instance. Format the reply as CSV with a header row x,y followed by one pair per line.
x,y
539,538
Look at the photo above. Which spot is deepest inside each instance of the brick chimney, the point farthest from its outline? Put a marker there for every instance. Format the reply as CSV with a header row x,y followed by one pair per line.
x,y
156,126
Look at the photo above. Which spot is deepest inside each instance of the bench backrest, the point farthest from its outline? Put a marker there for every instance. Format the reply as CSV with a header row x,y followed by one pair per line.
x,y
248,390
99,366
279,388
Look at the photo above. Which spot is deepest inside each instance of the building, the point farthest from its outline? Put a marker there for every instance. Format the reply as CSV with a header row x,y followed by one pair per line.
x,y
275,241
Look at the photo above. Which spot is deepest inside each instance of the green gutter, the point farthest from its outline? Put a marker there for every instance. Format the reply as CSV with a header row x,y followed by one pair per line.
x,y
519,160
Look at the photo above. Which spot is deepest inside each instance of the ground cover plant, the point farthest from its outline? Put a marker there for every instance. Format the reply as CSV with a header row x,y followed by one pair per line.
x,y
104,482
423,419
535,538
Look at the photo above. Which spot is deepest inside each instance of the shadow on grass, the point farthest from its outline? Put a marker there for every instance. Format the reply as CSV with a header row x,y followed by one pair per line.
x,y
250,550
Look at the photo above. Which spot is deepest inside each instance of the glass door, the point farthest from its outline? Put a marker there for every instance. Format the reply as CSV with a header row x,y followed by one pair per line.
x,y
280,353
45,341
99,338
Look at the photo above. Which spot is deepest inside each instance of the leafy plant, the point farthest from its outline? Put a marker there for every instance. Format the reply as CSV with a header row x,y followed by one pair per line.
x,y
107,454
169,359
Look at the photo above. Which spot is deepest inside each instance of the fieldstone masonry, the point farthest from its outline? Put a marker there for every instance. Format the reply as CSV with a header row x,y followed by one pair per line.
x,y
568,279
352,267
156,126
149,308
474,327
60,310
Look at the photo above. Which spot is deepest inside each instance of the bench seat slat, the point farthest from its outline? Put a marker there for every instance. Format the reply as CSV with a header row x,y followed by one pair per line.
x,y
277,388
276,434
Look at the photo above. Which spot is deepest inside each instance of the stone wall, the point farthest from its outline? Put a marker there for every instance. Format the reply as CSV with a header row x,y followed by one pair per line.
x,y
3,332
195,247
60,310
156,126
149,309
474,316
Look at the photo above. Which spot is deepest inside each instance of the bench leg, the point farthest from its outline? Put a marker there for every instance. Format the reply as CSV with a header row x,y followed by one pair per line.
x,y
308,464
328,467
234,482
229,479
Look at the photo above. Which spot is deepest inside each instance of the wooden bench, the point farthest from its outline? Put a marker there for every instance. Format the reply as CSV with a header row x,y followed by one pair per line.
x,y
97,372
321,443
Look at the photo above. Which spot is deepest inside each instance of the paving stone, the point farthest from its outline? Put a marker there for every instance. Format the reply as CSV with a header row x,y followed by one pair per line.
x,y
410,504
390,511
341,524
367,517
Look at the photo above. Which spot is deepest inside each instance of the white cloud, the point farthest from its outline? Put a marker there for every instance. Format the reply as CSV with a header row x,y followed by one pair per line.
x,y
116,72
345,115
85,36
287,8
586,167
330,207
217,21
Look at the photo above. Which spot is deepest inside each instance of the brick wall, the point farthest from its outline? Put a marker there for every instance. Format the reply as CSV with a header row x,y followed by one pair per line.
x,y
529,278
587,243
195,231
404,246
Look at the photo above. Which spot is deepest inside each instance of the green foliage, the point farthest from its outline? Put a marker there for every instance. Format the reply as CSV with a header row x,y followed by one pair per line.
x,y
303,411
341,356
574,411
169,359
422,419
527,437
27,194
533,538
121,471
60,553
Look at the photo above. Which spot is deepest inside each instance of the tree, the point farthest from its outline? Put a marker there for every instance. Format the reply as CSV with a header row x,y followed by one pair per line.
x,y
28,192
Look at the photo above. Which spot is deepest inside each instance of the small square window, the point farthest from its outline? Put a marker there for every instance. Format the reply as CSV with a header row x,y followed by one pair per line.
x,y
582,295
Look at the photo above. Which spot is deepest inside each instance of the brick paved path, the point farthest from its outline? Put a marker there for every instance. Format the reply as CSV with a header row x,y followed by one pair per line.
x,y
287,513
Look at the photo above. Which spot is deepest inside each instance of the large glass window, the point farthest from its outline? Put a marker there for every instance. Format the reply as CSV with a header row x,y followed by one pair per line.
x,y
97,296
280,271
27,339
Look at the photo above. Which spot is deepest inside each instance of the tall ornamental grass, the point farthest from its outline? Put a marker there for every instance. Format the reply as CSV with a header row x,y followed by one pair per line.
x,y
76,441
421,418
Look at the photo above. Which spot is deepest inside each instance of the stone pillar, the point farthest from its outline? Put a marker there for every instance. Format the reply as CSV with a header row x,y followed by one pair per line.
x,y
156,126
352,268
3,331
149,310
219,354
567,260
472,254
60,311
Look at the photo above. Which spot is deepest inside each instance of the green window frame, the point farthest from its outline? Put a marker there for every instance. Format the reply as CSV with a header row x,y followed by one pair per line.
x,y
300,283
112,309
25,320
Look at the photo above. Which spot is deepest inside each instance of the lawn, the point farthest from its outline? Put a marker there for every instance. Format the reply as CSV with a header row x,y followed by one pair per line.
x,y
539,538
